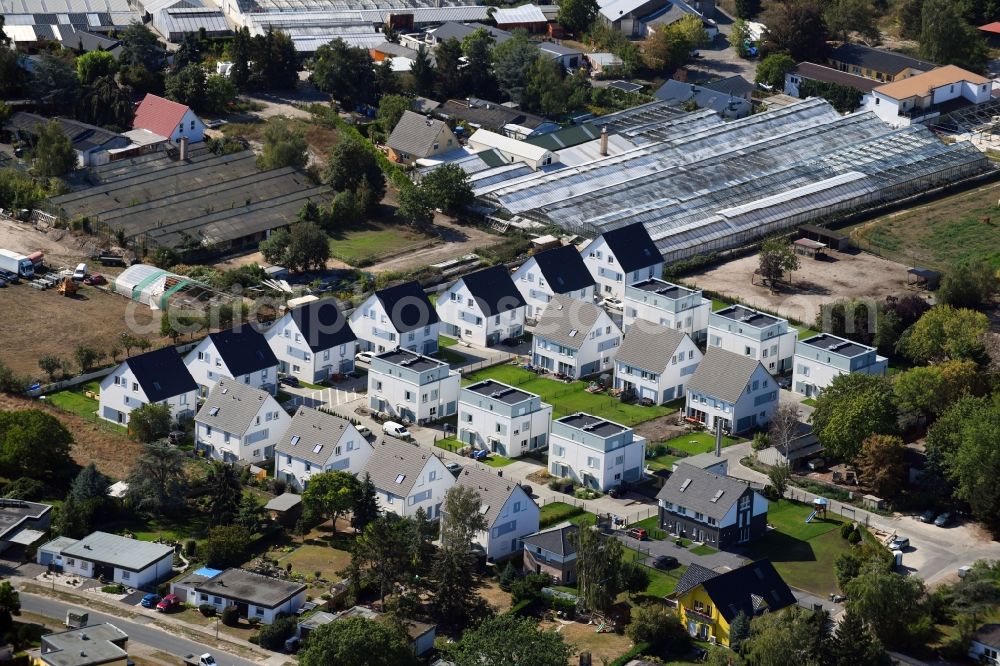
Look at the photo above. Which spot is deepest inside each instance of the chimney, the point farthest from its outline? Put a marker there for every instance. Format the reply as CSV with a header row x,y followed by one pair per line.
x,y
604,141
184,148
718,438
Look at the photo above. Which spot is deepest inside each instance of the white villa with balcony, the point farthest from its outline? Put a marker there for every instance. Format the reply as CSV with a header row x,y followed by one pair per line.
x,y
619,257
575,338
667,304
823,357
397,317
595,452
747,332
503,419
482,308
412,387
559,271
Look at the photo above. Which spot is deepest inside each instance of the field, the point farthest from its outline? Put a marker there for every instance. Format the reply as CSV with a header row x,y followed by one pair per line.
x,y
308,559
365,245
941,233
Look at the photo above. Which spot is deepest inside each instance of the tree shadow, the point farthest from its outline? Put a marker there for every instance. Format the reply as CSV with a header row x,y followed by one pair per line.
x,y
780,547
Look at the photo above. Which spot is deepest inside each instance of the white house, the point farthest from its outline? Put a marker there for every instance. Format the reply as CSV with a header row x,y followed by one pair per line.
x,y
821,358
985,645
412,387
169,119
313,341
115,558
400,316
482,308
920,98
655,362
509,511
595,452
503,419
241,353
557,271
619,257
747,332
667,304
575,338
159,376
317,442
571,59
238,422
733,389
255,596
408,478
512,150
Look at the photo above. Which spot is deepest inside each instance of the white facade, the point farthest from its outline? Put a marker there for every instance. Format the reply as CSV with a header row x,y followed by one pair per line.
x,y
115,558
537,292
753,409
190,126
760,336
822,358
121,393
512,149
664,384
75,566
594,452
314,443
261,613
350,455
594,353
981,652
377,333
667,304
412,387
517,519
918,98
607,271
464,319
427,493
255,443
207,367
297,358
503,419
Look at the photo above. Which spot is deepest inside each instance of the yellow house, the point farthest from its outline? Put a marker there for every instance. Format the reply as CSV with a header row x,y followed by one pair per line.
x,y
708,602
876,64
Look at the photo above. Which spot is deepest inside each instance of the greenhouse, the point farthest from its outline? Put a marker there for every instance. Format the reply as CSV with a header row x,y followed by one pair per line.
x,y
160,288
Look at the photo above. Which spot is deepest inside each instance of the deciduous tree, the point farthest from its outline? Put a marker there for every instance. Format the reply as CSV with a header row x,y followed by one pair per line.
x,y
330,495
94,65
54,156
283,146
346,72
512,61
447,188
451,80
150,422
885,601
576,16
796,27
599,568
510,639
969,285
308,247
477,48
387,551
455,600
776,259
851,409
390,109
226,546
844,17
156,481
35,445
946,333
747,9
881,464
351,162
140,47
358,640
946,38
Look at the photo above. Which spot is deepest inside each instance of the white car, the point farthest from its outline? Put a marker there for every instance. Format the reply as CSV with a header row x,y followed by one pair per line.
x,y
364,357
80,272
397,430
613,303
364,430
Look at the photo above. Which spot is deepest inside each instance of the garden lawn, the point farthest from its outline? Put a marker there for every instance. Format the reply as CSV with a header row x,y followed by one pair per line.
x,y
450,357
444,340
554,513
308,559
697,442
666,461
453,445
75,402
571,398
661,583
367,244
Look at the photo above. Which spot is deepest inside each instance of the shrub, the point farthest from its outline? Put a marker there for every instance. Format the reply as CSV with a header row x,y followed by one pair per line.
x,y
507,577
208,610
190,547
116,588
230,616
854,537
274,635
846,530
528,587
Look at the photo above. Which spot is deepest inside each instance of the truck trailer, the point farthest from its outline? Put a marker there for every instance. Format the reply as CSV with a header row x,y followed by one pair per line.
x,y
17,263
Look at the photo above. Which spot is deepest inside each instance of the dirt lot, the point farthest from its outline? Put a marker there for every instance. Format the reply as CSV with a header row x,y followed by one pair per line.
x,y
816,282
61,248
603,648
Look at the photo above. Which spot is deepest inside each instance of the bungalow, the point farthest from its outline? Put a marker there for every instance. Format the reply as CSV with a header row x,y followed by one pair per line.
x,y
922,97
560,270
111,557
159,376
184,587
512,150
985,645
667,304
710,508
421,634
92,645
877,64
241,353
621,256
526,17
654,362
317,442
509,511
168,118
412,387
23,523
256,597
766,338
575,338
484,114
708,601
502,419
595,452
821,358
313,342
416,137
93,145
808,71
483,307
408,478
239,423
570,58
552,551
732,390
400,316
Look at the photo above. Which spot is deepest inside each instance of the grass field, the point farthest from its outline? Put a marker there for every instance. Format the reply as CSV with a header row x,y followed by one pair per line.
x,y
450,357
554,513
666,461
374,241
444,340
571,398
75,402
697,442
309,559
661,583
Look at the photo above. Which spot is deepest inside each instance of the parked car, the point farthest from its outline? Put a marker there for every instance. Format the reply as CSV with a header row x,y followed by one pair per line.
x,y
168,603
943,519
289,380
365,431
80,273
899,543
150,600
928,516
963,571
638,533
394,429
176,437
95,279
785,382
664,562
453,467
480,454
364,357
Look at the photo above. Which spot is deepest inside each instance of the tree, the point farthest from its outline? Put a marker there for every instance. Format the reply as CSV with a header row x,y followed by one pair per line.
x,y
455,599
969,285
747,9
50,365
930,390
330,495
776,258
283,146
784,426
358,640
54,84
189,52
655,623
94,65
851,409
107,104
415,207
390,110
226,546
251,514
275,62
512,60
90,485
273,636
548,90
140,47
141,79
365,508
447,188
779,476
576,16
477,48
150,422
854,644
12,75
599,567
345,72
34,445
274,247
308,247
225,493
422,71
796,27
241,54
885,601
155,483
671,46
54,155
946,38
187,86
385,81
10,603
739,631
794,636
351,162
73,519
843,98
385,551
220,93
844,17
945,333
451,79
975,466
510,639
881,464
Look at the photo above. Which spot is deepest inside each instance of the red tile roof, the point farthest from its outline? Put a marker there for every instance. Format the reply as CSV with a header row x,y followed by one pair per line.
x,y
992,28
158,115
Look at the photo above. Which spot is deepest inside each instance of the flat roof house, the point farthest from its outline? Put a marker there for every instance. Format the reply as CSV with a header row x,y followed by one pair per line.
x,y
313,341
926,96
412,387
22,523
408,478
560,270
317,442
619,257
575,338
502,419
821,358
483,307
667,304
731,389
93,645
654,362
747,332
877,64
552,551
168,118
159,376
416,136
595,452
111,557
255,596
509,511
400,316
93,145
241,353
238,422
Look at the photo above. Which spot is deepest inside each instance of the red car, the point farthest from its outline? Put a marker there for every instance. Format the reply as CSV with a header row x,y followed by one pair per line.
x,y
95,279
168,603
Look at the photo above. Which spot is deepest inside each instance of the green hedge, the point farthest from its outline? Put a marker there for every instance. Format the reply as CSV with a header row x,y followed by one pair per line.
x,y
637,650
559,515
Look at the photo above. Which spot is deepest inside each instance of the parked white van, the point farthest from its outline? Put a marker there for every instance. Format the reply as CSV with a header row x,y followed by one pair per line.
x,y
397,430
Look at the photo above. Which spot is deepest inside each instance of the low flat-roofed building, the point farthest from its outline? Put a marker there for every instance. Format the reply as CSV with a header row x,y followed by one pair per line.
x,y
503,419
821,358
595,452
810,71
111,557
667,304
22,523
93,645
255,596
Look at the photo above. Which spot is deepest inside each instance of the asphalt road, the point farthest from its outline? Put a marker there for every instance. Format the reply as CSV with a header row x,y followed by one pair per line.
x,y
152,637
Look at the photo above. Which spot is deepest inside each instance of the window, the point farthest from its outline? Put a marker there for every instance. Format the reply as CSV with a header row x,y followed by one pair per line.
x,y
256,453
192,125
744,503
593,463
559,450
259,611
432,475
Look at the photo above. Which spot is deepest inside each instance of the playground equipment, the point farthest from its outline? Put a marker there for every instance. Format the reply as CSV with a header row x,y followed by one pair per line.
x,y
819,506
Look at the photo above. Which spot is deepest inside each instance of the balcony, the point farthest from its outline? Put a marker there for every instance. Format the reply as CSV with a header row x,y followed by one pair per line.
x,y
698,615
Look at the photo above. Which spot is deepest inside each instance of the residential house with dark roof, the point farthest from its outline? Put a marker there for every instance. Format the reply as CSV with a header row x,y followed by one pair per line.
x,y
708,601
168,118
92,645
710,508
93,145
509,511
159,376
734,85
313,342
238,422
412,387
758,335
683,94
640,18
502,419
552,551
416,136
732,390
809,71
421,634
256,597
83,41
655,362
459,31
407,478
397,317
667,304
240,353
483,307
877,64
495,117
820,359
560,270
111,557
595,452
575,338
315,442
619,257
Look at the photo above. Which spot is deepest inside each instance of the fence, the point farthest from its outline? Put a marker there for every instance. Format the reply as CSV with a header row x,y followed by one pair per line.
x,y
845,510
503,357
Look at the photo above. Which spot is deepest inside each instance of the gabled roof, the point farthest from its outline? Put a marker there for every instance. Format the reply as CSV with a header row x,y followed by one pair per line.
x,y
568,321
753,589
694,576
415,134
554,539
311,429
322,325
84,137
158,115
723,374
407,306
231,406
563,269
161,373
494,490
924,84
493,290
700,491
487,114
649,346
284,502
731,85
558,49
459,31
243,349
89,41
879,60
632,247
395,466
